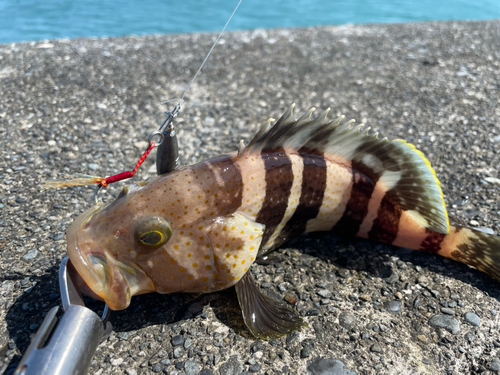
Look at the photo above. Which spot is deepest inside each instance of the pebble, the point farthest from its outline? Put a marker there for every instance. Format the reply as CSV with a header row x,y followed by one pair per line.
x,y
392,306
188,343
347,320
312,312
328,366
472,318
178,352
447,322
122,335
231,367
306,351
206,371
131,371
324,293
376,348
493,180
157,368
31,254
93,166
448,311
255,368
494,365
177,340
58,236
117,361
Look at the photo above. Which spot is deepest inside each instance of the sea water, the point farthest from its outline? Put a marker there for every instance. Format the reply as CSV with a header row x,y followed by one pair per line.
x,y
22,20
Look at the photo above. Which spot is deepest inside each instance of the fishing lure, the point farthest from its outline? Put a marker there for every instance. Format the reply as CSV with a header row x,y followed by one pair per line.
x,y
200,228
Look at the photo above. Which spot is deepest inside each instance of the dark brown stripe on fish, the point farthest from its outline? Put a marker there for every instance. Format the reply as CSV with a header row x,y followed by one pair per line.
x,y
357,206
432,242
385,227
229,198
480,250
311,195
279,181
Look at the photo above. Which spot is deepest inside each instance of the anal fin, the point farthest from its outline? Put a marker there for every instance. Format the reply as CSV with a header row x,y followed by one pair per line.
x,y
265,317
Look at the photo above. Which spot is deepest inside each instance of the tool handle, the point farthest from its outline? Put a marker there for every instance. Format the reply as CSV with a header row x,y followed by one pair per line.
x,y
63,346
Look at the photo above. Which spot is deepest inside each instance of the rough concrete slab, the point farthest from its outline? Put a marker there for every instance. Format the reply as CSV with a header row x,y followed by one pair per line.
x,y
87,105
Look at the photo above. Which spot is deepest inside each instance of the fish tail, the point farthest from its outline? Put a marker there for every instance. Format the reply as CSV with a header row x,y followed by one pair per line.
x,y
472,247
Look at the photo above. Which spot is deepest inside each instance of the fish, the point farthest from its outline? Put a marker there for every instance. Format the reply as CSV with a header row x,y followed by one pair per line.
x,y
200,228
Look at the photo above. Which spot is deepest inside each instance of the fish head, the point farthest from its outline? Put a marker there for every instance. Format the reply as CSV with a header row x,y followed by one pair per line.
x,y
132,246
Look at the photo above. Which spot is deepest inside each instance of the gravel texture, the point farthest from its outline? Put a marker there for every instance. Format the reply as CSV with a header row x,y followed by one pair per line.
x,y
87,105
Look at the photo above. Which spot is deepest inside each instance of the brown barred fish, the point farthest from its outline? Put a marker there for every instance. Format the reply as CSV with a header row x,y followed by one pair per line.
x,y
199,229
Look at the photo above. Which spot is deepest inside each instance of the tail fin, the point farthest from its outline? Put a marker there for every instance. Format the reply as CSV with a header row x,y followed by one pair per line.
x,y
472,247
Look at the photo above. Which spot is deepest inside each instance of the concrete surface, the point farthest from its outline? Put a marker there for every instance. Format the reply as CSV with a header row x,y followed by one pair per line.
x,y
87,105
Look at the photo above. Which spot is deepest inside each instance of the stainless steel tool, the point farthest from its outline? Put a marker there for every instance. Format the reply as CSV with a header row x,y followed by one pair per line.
x,y
66,345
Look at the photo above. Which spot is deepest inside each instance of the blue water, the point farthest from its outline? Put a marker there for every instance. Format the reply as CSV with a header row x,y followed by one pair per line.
x,y
22,20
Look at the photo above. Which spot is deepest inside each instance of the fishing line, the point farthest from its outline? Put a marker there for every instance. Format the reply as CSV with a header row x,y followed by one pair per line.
x,y
211,49
157,137
154,139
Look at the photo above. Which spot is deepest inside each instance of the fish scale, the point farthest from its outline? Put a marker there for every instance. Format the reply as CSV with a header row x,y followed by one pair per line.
x,y
200,228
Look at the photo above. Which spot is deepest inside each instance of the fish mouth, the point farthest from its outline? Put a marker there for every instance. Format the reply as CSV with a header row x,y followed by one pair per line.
x,y
111,278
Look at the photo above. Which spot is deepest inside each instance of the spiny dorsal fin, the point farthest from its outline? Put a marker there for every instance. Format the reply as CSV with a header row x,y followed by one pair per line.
x,y
402,171
241,148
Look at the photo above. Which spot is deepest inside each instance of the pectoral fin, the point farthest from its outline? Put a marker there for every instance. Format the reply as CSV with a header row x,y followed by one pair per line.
x,y
265,317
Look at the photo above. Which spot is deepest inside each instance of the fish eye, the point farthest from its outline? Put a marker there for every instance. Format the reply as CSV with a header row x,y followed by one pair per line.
x,y
153,232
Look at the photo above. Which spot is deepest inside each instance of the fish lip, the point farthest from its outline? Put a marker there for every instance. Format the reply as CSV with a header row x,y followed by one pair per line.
x,y
118,280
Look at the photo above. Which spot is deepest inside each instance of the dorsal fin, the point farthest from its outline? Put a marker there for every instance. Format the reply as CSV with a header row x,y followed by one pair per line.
x,y
399,167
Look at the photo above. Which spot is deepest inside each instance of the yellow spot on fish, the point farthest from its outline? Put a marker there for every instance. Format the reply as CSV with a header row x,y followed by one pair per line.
x,y
227,255
207,256
251,258
246,269
190,277
208,268
200,227
176,246
195,265
231,278
251,237
189,255
205,279
172,260
163,251
203,287
243,261
182,269
223,266
188,243
234,265
235,256
224,228
232,228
